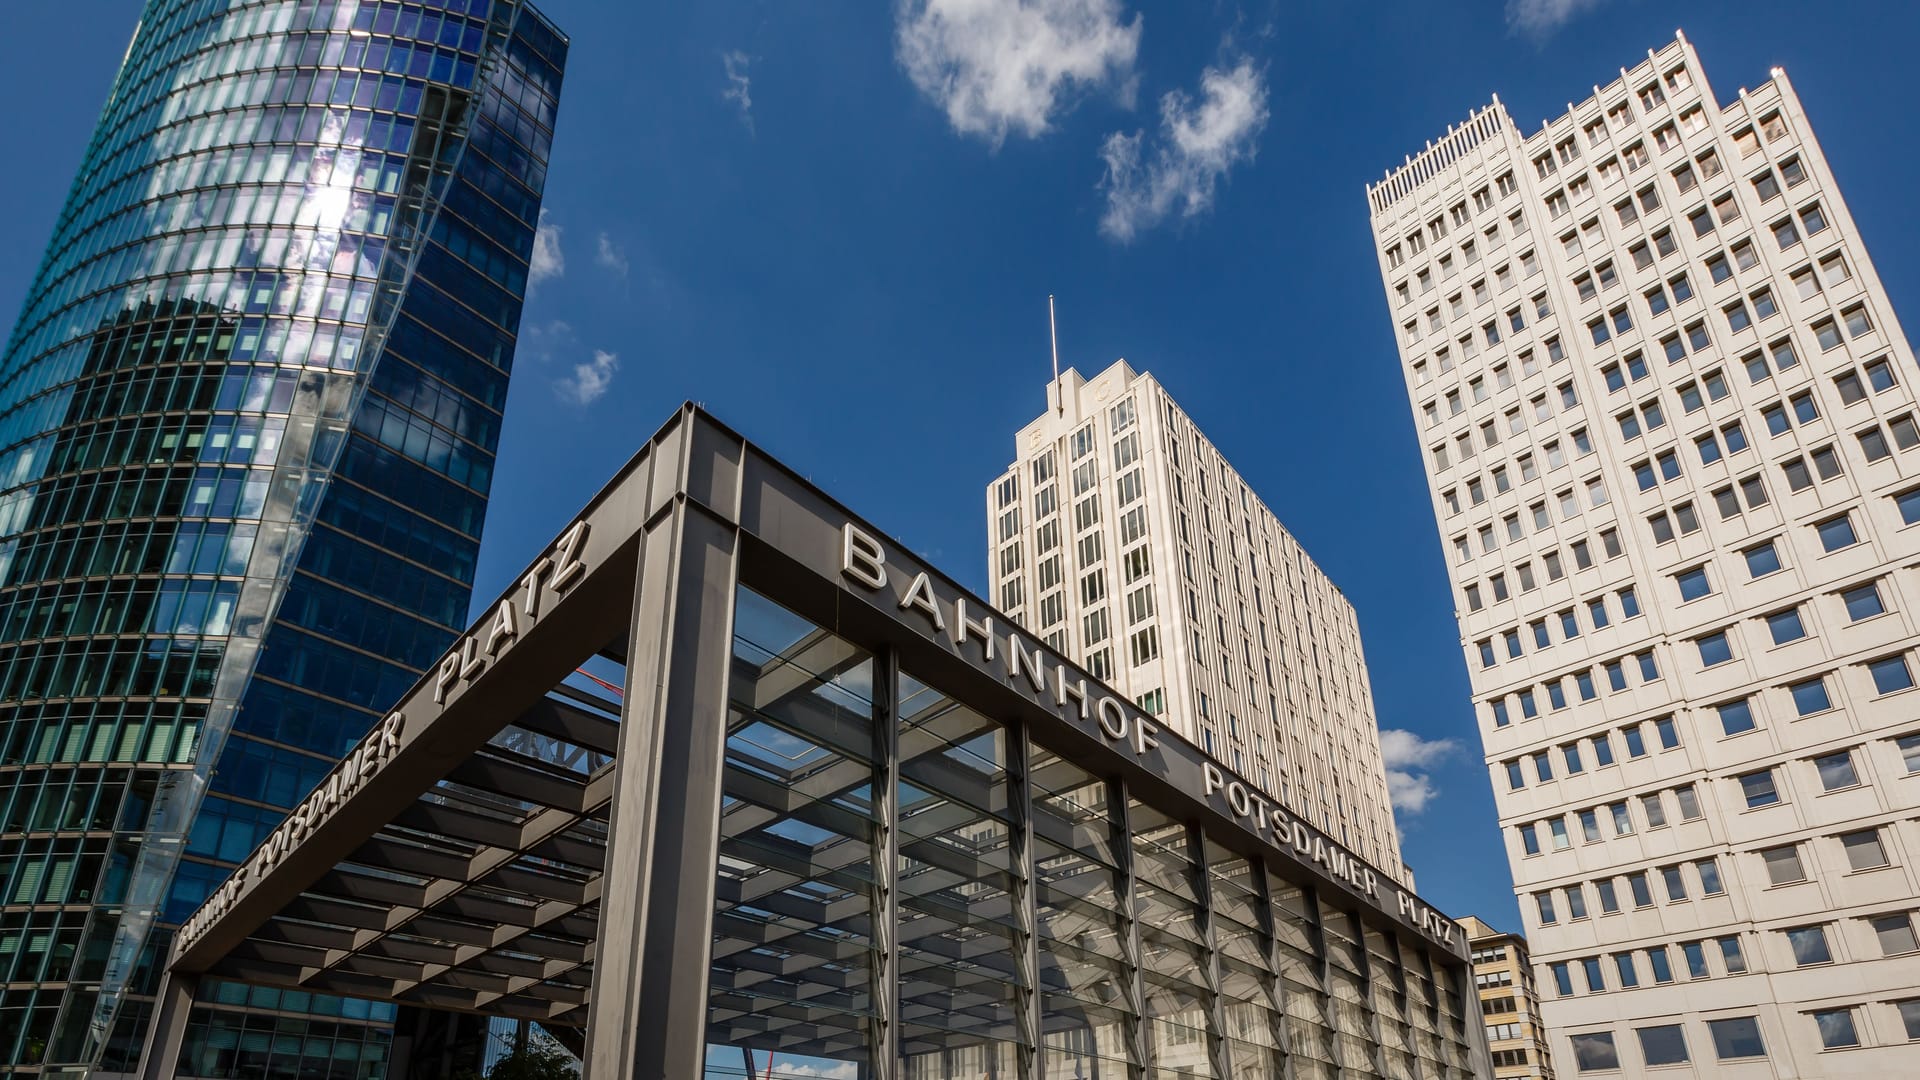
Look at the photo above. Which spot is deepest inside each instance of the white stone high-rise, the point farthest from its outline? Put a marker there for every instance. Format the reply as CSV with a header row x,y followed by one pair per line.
x,y
1122,537
1669,419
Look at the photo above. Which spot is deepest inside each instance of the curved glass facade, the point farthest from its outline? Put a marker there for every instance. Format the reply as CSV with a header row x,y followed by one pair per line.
x,y
247,424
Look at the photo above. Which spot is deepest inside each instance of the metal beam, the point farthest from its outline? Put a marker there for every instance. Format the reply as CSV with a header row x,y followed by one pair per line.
x,y
649,1007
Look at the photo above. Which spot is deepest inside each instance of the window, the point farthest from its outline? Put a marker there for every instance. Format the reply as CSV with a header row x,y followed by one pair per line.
x,y
1593,1051
1674,882
1667,731
1562,979
1783,865
1642,892
1895,933
1864,849
1736,717
1910,1018
1809,697
1891,674
1736,1037
1863,602
1709,871
1826,333
1758,789
1813,219
1530,839
1543,902
1609,899
1693,583
1664,1044
1880,376
1837,533
1784,233
1696,957
1596,977
1689,802
1834,269
1730,955
1909,752
1715,649
1809,946
1836,1029
1662,966
1836,771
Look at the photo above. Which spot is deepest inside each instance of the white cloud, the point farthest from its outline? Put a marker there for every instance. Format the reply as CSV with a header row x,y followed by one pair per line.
x,y
548,260
609,255
1008,66
1538,19
739,87
1194,148
1406,756
589,380
541,341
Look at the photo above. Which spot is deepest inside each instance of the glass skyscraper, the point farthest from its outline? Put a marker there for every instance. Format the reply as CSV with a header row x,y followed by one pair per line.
x,y
247,424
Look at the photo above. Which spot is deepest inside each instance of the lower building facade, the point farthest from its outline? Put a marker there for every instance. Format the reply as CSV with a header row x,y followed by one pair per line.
x,y
727,784
1503,976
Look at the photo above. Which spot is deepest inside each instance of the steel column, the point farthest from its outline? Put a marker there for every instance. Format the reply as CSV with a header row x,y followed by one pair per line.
x,y
1218,1053
1136,1032
648,1015
160,1057
1276,969
885,1037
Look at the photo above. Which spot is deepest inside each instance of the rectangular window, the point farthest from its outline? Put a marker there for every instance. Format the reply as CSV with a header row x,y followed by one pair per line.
x,y
1758,789
1864,850
1783,865
1836,1028
1810,946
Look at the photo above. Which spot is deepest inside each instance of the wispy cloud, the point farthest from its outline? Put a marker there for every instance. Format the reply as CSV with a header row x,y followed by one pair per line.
x,y
1407,757
1538,19
739,88
548,260
1176,171
1009,66
541,341
609,255
589,381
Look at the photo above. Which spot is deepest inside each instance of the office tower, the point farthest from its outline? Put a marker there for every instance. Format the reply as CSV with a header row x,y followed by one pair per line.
x,y
1668,416
1122,537
247,423
1509,1003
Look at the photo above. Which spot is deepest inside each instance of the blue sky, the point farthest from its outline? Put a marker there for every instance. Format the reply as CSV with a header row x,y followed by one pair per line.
x,y
784,211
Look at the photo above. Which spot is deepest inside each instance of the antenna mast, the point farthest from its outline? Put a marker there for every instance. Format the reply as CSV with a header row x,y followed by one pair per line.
x,y
1053,331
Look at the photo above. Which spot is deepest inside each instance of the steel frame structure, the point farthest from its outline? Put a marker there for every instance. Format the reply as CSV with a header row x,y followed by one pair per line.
x,y
509,843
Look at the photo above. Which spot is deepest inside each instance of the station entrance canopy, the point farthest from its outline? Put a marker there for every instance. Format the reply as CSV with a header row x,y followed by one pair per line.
x,y
819,805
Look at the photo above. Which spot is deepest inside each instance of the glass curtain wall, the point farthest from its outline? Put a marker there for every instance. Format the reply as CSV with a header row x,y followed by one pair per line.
x,y
1031,921
247,419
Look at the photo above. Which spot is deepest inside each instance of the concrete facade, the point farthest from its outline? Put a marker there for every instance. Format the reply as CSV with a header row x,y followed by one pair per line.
x,y
1667,413
1509,1002
1123,538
